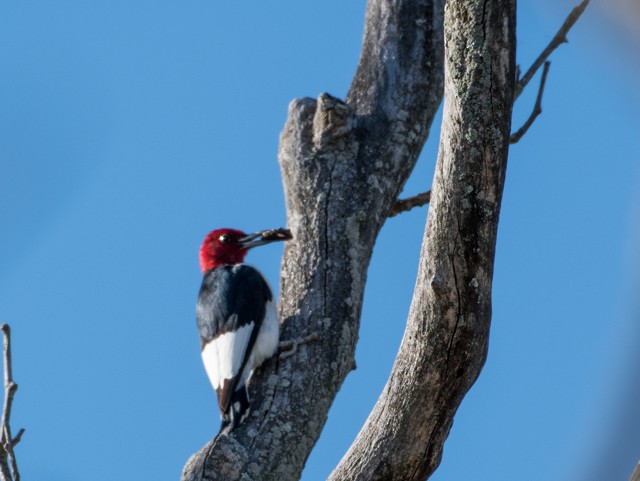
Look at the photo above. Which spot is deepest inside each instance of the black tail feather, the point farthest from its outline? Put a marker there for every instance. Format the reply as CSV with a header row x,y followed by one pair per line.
x,y
237,411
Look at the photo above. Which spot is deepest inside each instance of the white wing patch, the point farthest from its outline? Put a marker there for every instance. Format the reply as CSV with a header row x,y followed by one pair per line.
x,y
268,338
222,356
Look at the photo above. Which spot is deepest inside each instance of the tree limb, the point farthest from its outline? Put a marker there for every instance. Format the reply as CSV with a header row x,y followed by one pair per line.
x,y
537,108
559,38
445,342
635,476
8,465
404,205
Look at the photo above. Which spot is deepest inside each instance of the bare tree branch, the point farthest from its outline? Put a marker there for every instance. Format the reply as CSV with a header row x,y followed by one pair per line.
x,y
18,437
537,108
446,339
8,466
404,205
635,476
556,41
5,472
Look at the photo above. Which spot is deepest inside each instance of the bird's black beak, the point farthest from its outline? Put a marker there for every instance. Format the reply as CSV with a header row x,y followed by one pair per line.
x,y
265,237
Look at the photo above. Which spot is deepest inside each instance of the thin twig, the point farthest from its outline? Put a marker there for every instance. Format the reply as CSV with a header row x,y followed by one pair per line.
x,y
17,437
10,389
537,108
5,474
403,205
558,39
292,346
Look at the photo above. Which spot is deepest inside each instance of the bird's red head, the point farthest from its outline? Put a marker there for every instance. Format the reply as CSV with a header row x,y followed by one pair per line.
x,y
230,246
222,246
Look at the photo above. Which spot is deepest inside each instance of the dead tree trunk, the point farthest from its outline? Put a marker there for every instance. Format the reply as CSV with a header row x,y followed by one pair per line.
x,y
343,165
445,343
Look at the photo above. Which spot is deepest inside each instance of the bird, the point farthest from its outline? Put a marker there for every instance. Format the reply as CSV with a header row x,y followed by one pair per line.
x,y
236,317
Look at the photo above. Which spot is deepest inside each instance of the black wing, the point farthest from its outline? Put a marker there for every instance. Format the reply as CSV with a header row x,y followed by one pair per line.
x,y
231,297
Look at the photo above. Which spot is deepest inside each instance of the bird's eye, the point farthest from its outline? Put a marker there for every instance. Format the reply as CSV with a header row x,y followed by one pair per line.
x,y
225,238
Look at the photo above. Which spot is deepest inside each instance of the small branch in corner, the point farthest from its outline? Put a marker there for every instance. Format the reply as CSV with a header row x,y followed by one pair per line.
x,y
404,205
8,466
17,437
537,108
556,41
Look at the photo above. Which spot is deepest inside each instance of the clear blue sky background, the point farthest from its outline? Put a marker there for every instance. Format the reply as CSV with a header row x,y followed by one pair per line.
x,y
130,128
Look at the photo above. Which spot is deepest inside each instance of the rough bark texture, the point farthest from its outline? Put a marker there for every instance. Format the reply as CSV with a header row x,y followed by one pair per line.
x,y
343,166
445,343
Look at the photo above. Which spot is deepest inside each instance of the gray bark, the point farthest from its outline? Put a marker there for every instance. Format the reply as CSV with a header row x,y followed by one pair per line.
x,y
445,342
343,165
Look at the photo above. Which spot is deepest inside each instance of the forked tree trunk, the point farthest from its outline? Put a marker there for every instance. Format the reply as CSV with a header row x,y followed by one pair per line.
x,y
343,166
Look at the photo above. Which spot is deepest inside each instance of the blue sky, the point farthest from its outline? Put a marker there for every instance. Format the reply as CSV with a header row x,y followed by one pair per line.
x,y
128,129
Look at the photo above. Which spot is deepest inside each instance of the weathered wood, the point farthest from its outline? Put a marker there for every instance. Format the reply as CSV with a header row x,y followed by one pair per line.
x,y
445,343
343,165
635,476
8,464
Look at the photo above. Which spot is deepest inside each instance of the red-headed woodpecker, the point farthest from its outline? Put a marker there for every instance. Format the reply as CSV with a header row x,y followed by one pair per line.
x,y
236,317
